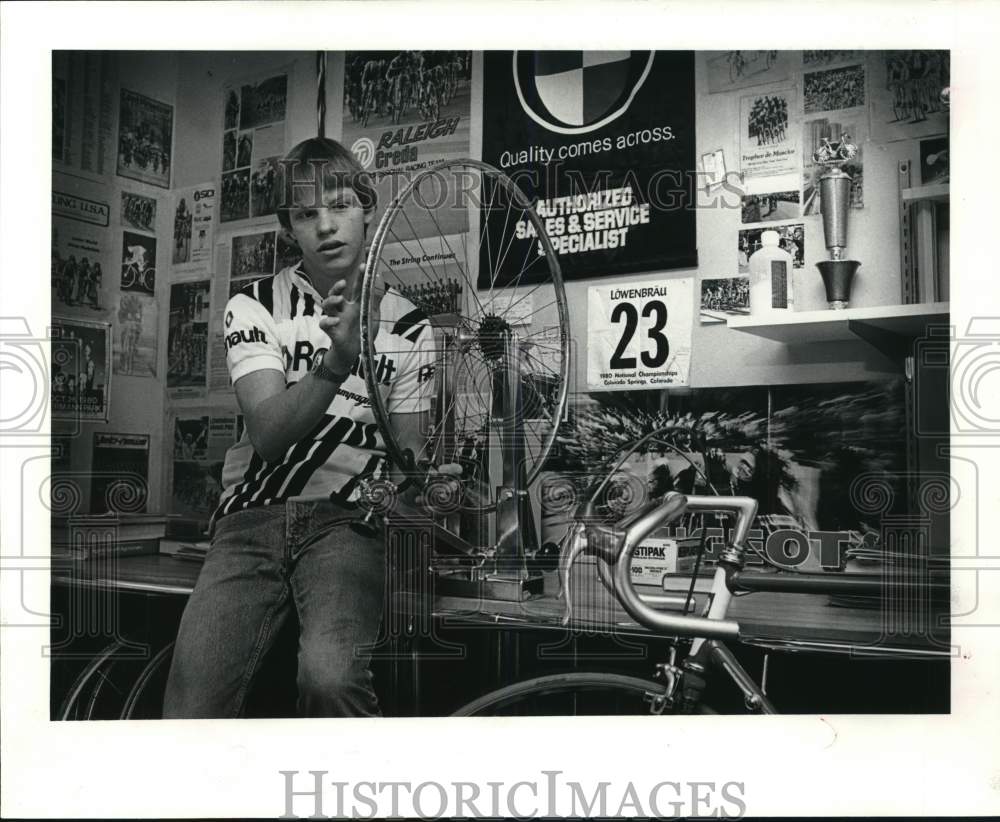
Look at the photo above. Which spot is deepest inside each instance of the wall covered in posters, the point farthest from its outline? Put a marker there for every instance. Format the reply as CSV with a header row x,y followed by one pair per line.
x,y
606,143
398,124
112,112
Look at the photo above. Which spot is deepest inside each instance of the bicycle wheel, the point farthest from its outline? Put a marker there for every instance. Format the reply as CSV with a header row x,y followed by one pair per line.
x,y
497,369
573,694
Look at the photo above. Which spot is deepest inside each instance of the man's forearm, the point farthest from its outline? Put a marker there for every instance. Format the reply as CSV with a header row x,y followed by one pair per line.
x,y
284,419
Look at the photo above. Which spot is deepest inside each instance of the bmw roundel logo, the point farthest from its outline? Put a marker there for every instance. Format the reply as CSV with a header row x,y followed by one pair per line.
x,y
364,150
573,92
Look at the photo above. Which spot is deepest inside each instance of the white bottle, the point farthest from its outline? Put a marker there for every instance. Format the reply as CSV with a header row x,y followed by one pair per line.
x,y
770,277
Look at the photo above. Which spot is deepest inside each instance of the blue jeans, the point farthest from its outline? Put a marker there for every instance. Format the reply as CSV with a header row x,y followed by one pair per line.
x,y
257,570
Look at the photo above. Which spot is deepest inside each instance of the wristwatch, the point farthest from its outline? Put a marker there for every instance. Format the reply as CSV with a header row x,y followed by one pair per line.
x,y
320,371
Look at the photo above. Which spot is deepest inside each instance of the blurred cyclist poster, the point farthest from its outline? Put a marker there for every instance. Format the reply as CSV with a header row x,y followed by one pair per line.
x,y
187,337
145,139
135,335
253,141
405,111
604,143
194,223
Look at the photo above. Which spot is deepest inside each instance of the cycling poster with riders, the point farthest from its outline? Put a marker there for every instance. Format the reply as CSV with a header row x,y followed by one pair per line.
x,y
78,282
404,111
194,227
135,335
145,139
770,134
253,140
906,94
731,70
138,263
187,338
138,212
200,444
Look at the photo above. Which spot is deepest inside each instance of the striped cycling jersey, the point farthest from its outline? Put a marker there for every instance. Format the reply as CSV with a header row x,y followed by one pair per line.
x,y
273,323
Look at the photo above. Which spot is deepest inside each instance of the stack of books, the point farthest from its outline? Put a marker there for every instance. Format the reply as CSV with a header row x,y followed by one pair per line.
x,y
89,536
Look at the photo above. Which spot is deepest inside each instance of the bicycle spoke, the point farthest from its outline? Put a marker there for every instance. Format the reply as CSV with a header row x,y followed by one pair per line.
x,y
457,265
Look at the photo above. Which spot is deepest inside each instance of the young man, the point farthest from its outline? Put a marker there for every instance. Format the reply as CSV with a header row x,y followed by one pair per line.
x,y
292,343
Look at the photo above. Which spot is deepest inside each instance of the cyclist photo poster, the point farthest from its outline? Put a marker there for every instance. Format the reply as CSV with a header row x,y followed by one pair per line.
x,y
145,139
405,111
80,254
200,443
639,335
194,228
605,143
187,338
253,140
138,263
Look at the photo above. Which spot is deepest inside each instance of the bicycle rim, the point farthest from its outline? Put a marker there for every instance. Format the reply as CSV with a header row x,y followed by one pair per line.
x,y
572,694
466,407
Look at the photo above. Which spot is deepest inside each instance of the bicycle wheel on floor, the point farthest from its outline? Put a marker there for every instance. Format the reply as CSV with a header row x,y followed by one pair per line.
x,y
500,332
572,694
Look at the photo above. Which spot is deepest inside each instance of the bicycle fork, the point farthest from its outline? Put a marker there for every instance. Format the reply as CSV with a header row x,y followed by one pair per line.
x,y
715,653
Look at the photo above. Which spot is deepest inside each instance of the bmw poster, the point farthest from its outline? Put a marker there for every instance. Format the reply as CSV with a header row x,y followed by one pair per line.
x,y
603,142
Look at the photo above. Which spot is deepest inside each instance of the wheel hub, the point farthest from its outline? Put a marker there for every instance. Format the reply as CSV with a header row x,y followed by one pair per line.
x,y
493,337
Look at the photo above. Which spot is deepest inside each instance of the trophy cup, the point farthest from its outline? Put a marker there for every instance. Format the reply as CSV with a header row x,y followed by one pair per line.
x,y
835,197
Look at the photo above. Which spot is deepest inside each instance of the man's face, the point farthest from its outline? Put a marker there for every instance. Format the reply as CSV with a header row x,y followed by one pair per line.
x,y
332,235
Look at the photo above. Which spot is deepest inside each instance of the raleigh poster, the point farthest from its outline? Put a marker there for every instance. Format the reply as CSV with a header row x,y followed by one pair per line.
x,y
604,141
403,112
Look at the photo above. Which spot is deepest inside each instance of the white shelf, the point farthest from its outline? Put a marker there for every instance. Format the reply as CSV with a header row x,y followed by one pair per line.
x,y
834,326
935,191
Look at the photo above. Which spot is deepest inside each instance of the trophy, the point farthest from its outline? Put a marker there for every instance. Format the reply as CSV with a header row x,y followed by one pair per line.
x,y
835,197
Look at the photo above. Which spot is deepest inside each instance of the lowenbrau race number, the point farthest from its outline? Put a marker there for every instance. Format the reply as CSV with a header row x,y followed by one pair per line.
x,y
639,335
